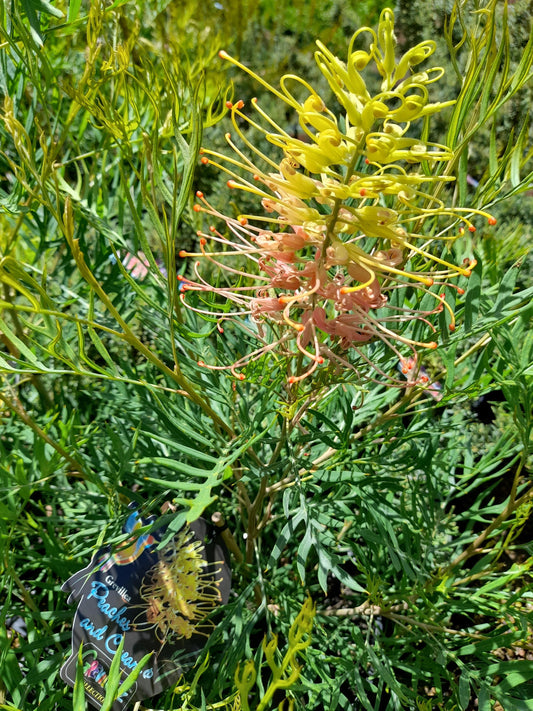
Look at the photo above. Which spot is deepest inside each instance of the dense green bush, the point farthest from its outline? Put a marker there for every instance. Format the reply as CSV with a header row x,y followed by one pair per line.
x,y
382,520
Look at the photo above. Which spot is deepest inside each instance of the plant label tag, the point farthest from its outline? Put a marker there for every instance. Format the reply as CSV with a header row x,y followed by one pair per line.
x,y
155,599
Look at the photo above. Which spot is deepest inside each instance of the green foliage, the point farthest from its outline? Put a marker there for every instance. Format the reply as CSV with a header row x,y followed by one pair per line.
x,y
287,672
114,687
406,519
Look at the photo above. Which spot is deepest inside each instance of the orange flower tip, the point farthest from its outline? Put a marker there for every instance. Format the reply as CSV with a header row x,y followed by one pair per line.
x,y
239,104
467,272
451,327
227,136
433,345
201,151
299,327
428,282
292,380
199,194
362,192
460,291
442,296
242,220
229,105
180,277
256,177
283,299
212,228
201,363
241,376
254,100
471,228
182,253
203,242
492,220
405,370
320,360
461,230
219,328
424,379
223,54
367,161
473,263
197,208
204,160
231,184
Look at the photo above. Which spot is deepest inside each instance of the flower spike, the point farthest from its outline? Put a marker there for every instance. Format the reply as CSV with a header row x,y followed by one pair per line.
x,y
338,257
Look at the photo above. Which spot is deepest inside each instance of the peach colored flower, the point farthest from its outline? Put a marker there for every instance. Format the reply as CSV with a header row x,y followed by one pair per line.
x,y
340,257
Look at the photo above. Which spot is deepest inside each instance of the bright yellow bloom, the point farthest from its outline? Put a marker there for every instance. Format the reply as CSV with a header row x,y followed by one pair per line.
x,y
346,204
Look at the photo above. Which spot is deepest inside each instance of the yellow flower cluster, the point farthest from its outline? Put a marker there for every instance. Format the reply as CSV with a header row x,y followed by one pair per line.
x,y
179,592
344,207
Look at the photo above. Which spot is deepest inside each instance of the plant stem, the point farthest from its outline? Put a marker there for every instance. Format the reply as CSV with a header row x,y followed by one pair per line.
x,y
512,505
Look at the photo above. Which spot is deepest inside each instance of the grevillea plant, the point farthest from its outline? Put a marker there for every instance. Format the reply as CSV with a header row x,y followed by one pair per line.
x,y
285,674
265,387
349,248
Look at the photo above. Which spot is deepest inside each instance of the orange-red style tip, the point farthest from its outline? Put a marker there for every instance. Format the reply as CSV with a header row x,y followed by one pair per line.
x,y
471,228
492,220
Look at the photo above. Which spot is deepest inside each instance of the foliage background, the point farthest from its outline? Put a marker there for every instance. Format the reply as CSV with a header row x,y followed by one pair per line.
x,y
407,521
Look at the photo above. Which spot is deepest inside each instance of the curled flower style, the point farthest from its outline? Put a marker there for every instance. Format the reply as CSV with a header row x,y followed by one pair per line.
x,y
179,591
341,252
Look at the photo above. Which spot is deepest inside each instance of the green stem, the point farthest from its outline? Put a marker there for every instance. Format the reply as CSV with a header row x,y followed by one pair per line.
x,y
129,336
17,407
512,505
